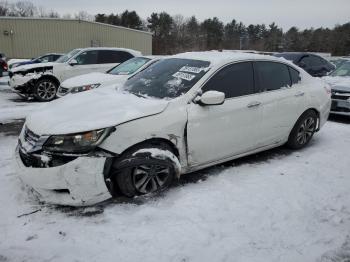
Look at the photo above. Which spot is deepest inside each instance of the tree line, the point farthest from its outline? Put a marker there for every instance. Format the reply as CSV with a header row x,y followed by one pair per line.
x,y
175,34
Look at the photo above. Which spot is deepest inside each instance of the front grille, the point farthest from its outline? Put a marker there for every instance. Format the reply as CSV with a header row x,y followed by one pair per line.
x,y
341,95
30,137
30,160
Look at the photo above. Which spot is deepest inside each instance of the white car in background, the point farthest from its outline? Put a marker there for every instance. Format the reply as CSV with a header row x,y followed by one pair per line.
x,y
41,81
339,80
183,113
115,76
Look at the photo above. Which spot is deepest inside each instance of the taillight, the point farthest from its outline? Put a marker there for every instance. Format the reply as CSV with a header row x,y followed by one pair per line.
x,y
5,66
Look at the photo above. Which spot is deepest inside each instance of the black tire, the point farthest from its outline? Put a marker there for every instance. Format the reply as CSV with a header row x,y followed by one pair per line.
x,y
140,173
303,130
45,90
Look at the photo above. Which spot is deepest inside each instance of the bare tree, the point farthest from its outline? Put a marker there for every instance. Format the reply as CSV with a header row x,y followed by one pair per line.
x,y
23,9
4,8
83,15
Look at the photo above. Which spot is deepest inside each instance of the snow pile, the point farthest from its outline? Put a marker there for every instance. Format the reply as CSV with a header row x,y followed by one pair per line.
x,y
13,106
279,206
337,80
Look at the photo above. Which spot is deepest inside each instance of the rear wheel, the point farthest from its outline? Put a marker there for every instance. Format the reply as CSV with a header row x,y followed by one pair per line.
x,y
45,90
146,170
303,130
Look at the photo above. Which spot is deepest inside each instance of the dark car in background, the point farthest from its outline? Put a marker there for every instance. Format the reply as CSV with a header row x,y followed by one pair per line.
x,y
3,64
315,65
41,59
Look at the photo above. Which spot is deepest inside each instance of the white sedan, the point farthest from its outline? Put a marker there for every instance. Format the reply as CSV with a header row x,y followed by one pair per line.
x,y
115,76
181,114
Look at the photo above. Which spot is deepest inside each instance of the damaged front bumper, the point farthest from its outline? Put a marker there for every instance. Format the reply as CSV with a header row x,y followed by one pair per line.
x,y
79,182
22,85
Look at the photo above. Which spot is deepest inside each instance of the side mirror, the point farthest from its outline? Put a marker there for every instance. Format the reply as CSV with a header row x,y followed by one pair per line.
x,y
73,62
212,98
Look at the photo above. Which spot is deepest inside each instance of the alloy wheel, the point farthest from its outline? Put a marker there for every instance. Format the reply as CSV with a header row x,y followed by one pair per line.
x,y
46,90
306,130
150,178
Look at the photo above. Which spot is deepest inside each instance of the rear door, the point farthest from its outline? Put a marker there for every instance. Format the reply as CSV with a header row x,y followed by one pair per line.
x,y
283,100
217,132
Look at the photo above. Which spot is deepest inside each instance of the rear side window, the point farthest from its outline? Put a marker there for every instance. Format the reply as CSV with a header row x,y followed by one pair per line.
x,y
109,56
272,75
233,80
294,75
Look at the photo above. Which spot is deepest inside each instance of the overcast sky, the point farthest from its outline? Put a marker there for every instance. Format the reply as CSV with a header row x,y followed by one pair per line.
x,y
286,13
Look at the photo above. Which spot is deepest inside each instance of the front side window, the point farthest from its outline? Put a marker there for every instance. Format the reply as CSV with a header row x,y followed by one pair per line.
x,y
271,75
168,78
129,67
311,61
87,58
233,80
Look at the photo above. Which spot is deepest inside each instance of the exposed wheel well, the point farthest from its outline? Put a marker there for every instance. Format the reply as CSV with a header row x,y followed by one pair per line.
x,y
50,77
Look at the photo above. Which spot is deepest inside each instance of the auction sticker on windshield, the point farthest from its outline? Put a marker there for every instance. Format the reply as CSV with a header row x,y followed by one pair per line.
x,y
192,69
184,76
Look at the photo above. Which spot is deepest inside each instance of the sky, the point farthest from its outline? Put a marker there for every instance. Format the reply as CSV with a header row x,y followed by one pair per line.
x,y
286,13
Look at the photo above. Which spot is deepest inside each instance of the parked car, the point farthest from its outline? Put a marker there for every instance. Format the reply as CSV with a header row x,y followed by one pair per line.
x,y
3,64
339,80
181,114
3,67
315,65
41,59
115,76
338,61
41,81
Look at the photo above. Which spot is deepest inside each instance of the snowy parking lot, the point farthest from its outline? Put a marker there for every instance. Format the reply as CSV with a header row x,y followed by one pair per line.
x,y
279,205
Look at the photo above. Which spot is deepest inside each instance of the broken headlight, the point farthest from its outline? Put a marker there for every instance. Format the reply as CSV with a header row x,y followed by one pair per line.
x,y
76,143
83,88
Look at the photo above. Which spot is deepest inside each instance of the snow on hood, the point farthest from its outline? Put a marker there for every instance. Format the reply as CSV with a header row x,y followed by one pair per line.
x,y
91,110
32,66
92,78
338,82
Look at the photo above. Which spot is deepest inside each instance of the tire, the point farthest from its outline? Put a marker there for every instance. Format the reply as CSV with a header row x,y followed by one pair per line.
x,y
45,90
303,130
140,172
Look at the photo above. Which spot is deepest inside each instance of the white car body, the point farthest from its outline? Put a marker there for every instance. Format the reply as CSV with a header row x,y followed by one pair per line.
x,y
100,79
23,78
202,135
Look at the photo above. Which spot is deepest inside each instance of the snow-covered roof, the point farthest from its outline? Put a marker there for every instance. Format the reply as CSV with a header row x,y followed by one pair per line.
x,y
217,58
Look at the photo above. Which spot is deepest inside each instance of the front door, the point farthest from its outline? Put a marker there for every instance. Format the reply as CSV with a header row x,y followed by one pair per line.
x,y
217,132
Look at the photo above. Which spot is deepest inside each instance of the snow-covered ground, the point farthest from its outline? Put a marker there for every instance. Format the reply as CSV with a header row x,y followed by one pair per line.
x,y
13,106
278,205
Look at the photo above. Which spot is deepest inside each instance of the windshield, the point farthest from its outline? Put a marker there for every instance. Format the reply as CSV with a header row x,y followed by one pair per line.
x,y
343,70
68,56
129,67
167,78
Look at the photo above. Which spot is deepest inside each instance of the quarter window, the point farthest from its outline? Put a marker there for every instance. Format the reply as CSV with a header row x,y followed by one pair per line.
x,y
109,56
294,75
272,75
233,80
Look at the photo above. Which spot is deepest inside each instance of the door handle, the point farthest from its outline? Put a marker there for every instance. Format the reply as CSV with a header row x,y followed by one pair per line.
x,y
299,94
253,104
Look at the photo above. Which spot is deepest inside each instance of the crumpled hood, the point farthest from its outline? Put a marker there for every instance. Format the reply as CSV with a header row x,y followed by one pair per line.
x,y
32,66
91,110
92,78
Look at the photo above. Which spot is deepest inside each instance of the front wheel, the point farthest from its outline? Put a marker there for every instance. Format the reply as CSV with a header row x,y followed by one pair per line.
x,y
146,171
45,90
303,130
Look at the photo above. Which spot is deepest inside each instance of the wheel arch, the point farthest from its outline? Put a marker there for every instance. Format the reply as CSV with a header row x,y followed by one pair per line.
x,y
51,77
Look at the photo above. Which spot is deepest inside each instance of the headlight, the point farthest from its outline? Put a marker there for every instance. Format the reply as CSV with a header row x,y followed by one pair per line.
x,y
77,143
83,88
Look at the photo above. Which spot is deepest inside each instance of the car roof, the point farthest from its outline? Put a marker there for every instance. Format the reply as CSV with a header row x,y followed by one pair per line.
x,y
220,58
131,51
